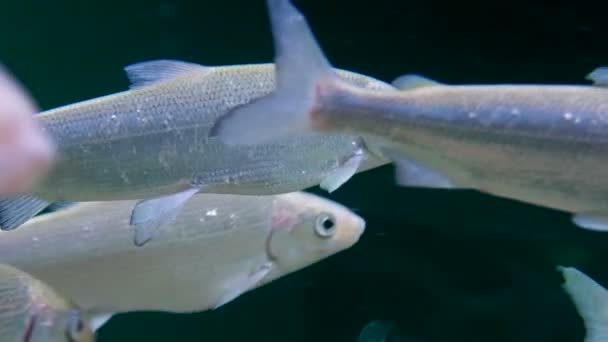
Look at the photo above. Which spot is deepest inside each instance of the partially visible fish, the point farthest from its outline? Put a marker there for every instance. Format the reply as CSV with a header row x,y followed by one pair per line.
x,y
151,142
218,247
541,144
591,301
30,311
26,153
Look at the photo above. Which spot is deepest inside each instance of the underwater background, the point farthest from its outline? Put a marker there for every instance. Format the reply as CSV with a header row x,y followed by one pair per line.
x,y
436,265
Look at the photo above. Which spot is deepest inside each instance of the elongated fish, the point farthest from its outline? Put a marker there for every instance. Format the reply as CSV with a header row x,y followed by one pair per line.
x,y
151,142
541,144
30,311
218,247
591,301
26,153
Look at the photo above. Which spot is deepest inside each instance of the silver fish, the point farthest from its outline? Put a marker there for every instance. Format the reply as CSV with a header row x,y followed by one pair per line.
x,y
219,247
30,311
540,144
151,142
590,300
26,153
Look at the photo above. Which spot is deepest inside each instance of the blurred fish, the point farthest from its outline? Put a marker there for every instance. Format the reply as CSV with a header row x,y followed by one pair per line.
x,y
30,311
382,331
375,331
151,142
591,301
219,247
26,153
541,144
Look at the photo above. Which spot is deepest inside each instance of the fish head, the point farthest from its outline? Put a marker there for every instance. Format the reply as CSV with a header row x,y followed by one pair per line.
x,y
55,319
307,228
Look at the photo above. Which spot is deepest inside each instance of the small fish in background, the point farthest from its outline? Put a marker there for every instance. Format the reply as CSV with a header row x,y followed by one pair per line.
x,y
30,311
218,248
151,143
382,331
26,153
590,300
540,144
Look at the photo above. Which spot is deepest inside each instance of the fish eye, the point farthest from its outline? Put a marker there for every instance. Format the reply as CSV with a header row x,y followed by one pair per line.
x,y
76,328
325,226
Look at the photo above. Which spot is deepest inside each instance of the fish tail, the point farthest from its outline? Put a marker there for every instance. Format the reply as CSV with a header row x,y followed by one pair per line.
x,y
301,70
15,211
591,301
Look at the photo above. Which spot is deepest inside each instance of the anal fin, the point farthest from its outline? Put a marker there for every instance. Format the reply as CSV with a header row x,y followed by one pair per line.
x,y
98,320
243,284
15,211
149,216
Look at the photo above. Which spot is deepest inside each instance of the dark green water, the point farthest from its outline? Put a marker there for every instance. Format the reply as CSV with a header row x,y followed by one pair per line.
x,y
444,266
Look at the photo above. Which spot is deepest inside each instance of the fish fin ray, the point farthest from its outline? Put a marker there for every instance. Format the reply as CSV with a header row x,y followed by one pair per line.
x,y
590,300
15,211
412,81
343,172
244,284
150,72
300,67
411,173
150,215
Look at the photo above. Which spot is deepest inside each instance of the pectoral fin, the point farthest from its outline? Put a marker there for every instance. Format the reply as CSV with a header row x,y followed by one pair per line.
x,y
411,173
243,283
151,215
15,211
599,77
344,172
591,222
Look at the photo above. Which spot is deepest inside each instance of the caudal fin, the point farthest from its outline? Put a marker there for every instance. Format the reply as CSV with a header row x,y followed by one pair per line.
x,y
300,67
591,301
15,211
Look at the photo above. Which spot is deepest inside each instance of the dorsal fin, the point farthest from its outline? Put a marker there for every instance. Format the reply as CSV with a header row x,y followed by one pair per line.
x,y
412,81
599,77
146,73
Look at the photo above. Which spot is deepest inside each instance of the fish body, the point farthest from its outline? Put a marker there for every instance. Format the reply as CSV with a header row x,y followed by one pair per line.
x,y
152,143
31,311
153,140
217,248
541,144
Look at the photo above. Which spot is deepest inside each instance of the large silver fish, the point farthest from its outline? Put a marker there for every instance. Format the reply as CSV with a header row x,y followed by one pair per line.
x,y
219,247
151,142
30,311
546,145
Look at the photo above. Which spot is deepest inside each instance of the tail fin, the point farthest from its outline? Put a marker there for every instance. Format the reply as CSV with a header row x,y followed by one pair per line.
x,y
15,211
591,301
300,67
